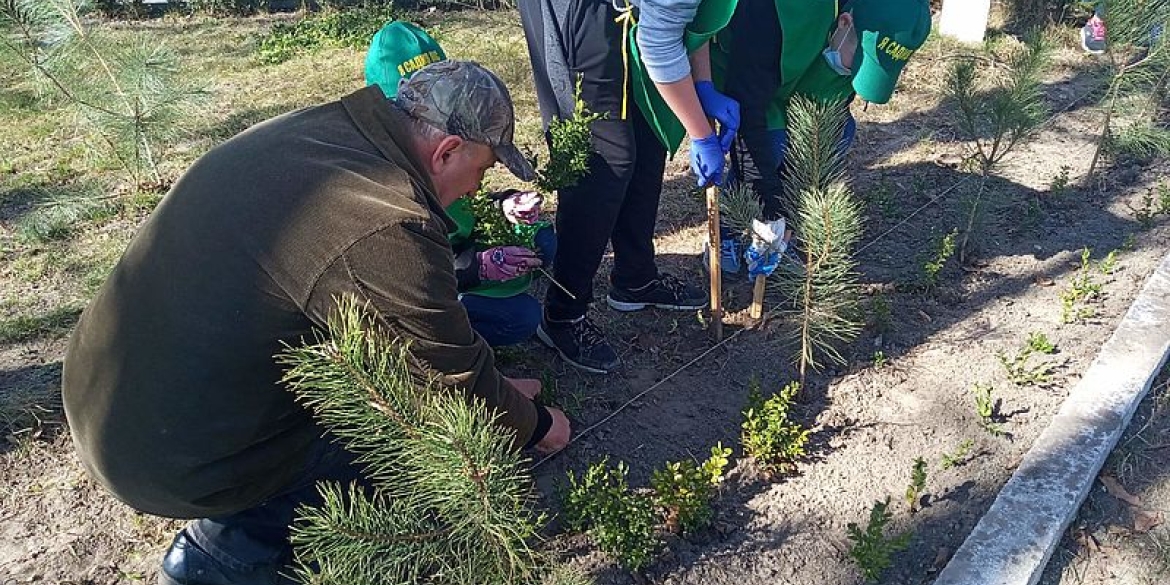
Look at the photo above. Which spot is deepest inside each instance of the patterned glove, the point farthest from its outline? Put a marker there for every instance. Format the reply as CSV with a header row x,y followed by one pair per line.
x,y
522,207
506,262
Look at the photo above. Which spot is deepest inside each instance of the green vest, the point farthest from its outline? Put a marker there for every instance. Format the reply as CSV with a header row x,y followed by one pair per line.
x,y
460,212
805,26
712,16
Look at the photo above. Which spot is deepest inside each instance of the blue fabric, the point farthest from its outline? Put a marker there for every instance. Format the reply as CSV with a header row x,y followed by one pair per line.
x,y
661,24
259,536
505,321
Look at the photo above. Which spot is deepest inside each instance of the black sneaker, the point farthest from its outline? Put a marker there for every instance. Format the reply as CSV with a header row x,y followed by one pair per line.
x,y
580,343
664,292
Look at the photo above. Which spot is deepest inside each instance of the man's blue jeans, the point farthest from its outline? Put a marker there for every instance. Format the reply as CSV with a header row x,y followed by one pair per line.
x,y
510,320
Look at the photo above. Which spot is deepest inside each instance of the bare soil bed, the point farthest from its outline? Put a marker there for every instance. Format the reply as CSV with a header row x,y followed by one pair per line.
x,y
870,419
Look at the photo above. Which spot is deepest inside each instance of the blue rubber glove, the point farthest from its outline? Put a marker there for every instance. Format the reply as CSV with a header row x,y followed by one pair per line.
x,y
707,160
724,109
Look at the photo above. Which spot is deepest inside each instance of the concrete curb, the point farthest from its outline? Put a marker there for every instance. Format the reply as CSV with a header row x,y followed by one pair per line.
x,y
1015,538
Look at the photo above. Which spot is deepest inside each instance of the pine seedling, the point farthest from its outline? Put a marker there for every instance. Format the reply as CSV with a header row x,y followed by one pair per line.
x,y
621,521
451,499
985,409
768,435
132,96
1082,289
917,487
827,221
683,490
872,549
959,456
996,114
738,207
1138,65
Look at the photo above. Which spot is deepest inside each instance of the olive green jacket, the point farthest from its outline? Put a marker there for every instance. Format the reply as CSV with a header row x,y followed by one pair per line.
x,y
170,386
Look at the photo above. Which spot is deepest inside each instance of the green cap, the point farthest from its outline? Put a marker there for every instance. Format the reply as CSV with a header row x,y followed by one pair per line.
x,y
888,31
466,100
397,51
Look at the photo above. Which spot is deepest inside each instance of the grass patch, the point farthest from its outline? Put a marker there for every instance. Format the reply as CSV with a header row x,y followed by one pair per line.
x,y
24,327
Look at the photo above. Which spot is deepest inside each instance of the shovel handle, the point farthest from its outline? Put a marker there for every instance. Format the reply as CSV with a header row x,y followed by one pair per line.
x,y
757,309
714,266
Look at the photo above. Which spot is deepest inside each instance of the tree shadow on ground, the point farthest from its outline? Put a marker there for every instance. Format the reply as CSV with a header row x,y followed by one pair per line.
x,y
241,120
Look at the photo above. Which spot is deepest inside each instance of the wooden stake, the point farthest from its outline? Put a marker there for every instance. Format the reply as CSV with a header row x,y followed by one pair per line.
x,y
714,262
757,309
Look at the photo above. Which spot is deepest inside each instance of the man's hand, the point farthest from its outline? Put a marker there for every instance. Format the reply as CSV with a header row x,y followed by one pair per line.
x,y
527,386
723,109
707,160
558,434
506,262
522,207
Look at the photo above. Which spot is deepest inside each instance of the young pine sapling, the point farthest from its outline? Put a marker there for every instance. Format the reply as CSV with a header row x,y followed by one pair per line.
x,y
451,499
996,119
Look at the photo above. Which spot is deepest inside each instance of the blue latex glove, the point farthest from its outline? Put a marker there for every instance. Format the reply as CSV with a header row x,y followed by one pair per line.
x,y
707,160
724,109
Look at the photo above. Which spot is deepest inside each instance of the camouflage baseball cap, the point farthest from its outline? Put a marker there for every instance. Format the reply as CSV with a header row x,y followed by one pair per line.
x,y
464,99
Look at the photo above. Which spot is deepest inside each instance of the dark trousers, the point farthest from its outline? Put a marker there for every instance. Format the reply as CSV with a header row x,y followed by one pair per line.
x,y
259,536
617,199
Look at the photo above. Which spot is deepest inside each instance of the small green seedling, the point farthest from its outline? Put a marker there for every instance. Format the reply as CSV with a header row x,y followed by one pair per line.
x,y
1022,373
683,490
985,408
871,548
1060,183
622,522
959,457
1108,265
879,359
917,485
768,435
1039,343
944,249
1082,289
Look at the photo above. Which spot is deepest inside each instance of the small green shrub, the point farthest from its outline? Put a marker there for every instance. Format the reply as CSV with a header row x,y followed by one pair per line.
x,y
917,485
943,250
1082,289
879,359
683,490
985,409
1020,370
959,457
570,147
768,435
871,548
1039,343
621,521
352,27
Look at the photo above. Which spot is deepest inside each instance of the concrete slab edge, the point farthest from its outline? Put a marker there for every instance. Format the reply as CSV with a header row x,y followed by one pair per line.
x,y
1014,540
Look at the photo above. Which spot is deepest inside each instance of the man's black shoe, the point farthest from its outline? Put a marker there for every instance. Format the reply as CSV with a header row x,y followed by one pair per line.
x,y
664,292
187,564
580,343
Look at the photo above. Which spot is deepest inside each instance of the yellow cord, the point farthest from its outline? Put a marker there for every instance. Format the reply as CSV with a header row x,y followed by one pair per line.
x,y
626,18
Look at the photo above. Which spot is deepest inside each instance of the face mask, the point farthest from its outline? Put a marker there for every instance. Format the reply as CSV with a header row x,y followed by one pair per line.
x,y
833,55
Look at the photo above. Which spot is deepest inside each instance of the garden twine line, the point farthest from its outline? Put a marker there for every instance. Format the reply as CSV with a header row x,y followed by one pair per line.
x,y
638,396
